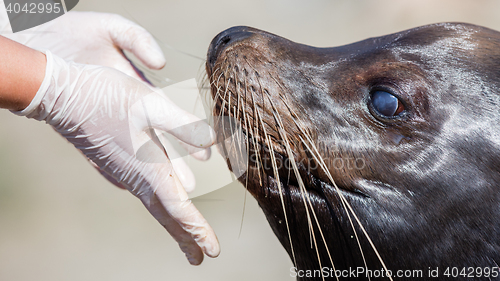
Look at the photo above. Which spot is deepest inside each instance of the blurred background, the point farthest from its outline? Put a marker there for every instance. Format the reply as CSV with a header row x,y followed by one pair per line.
x,y
59,220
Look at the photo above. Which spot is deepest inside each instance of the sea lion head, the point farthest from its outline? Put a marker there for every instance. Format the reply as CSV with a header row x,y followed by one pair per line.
x,y
382,154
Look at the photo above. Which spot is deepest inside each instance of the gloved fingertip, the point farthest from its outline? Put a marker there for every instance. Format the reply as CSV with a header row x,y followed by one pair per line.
x,y
203,137
213,251
129,36
194,261
208,242
213,255
202,155
184,174
189,186
150,53
193,253
212,135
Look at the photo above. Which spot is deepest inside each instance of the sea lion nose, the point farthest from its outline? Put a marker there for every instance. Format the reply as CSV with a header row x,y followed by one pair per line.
x,y
224,39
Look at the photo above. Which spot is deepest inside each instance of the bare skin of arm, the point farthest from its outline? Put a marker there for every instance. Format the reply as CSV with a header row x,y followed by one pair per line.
x,y
22,70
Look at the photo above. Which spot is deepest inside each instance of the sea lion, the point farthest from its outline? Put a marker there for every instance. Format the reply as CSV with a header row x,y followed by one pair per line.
x,y
376,160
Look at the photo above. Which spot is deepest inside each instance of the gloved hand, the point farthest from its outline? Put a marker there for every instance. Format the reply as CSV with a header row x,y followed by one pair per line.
x,y
100,38
107,115
91,38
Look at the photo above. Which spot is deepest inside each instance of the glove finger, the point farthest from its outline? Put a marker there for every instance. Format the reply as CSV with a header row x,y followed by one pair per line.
x,y
182,170
187,244
157,111
129,36
174,199
125,65
202,154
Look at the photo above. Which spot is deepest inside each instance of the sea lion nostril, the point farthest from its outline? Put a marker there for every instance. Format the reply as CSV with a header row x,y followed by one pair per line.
x,y
225,39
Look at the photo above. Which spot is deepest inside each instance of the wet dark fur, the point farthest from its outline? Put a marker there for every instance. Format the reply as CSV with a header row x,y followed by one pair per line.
x,y
428,190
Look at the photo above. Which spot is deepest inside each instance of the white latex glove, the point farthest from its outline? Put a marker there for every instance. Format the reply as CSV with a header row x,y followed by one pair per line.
x,y
91,38
99,38
108,115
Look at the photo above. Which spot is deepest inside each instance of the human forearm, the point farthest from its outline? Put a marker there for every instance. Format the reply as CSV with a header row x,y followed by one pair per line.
x,y
22,70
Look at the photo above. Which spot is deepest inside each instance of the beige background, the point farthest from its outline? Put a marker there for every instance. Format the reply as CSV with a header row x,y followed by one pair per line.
x,y
59,220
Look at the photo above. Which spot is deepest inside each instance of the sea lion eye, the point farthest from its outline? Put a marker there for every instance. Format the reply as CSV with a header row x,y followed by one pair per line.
x,y
386,104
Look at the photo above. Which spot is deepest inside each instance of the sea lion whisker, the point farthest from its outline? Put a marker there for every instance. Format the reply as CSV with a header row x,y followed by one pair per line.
x,y
203,81
248,130
229,113
245,121
238,132
342,202
303,192
246,177
259,116
275,171
280,189
315,153
284,138
349,207
216,81
217,94
257,151
215,70
210,78
212,83
301,184
234,119
306,133
239,99
217,85
203,84
239,108
223,107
